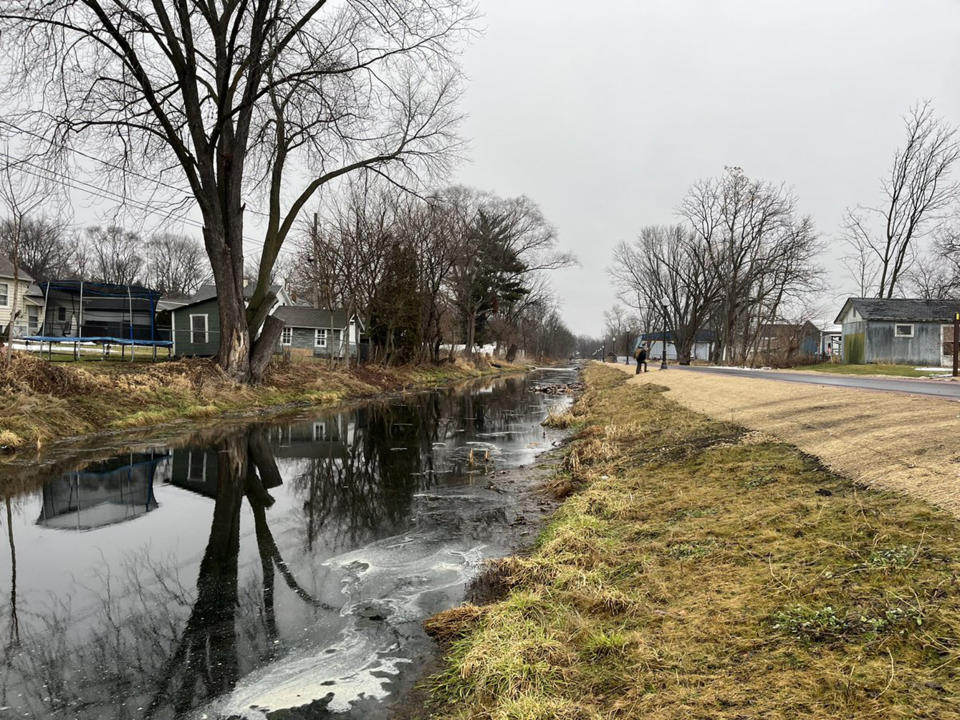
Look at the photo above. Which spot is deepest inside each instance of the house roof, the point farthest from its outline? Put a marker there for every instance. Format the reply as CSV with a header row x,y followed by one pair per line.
x,y
308,317
901,309
784,328
6,270
702,336
209,292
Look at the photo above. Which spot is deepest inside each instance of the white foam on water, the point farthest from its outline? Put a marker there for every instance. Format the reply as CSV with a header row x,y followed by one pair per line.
x,y
387,578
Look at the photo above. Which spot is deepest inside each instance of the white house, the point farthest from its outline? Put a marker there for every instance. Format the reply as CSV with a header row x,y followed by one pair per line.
x,y
16,293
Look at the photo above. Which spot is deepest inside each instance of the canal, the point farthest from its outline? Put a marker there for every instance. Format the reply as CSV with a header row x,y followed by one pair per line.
x,y
274,570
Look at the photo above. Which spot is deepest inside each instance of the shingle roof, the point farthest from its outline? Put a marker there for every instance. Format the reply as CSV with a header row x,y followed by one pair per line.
x,y
209,292
6,270
308,317
902,309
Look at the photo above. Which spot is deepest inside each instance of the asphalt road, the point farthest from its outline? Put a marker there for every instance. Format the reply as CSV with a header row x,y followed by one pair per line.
x,y
913,387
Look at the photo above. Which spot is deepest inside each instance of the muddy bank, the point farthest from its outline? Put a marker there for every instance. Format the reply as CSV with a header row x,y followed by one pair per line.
x,y
534,504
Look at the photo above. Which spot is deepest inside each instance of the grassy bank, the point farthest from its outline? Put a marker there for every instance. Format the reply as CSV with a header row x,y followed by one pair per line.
x,y
699,572
41,401
892,370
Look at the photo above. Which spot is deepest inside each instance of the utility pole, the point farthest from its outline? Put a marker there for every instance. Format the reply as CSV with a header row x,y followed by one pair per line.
x,y
956,344
315,255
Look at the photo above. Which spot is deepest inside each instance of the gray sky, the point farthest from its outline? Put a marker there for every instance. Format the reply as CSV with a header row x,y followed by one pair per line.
x,y
605,112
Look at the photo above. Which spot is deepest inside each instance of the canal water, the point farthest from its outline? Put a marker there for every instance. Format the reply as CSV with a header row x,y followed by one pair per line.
x,y
277,570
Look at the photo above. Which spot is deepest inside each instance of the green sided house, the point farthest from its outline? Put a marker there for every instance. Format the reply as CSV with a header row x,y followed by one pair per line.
x,y
195,325
318,333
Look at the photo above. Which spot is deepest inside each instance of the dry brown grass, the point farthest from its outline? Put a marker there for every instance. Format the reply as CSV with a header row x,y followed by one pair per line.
x,y
704,574
886,440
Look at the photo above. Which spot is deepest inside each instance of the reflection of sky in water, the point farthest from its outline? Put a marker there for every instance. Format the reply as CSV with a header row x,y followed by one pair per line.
x,y
283,565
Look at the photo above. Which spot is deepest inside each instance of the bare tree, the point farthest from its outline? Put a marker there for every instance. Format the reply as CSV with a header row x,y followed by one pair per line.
x,y
668,271
621,327
176,265
44,250
758,248
244,101
917,192
114,254
936,273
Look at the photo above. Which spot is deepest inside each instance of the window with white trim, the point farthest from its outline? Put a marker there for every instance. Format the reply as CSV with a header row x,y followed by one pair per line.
x,y
199,332
4,294
903,331
286,336
320,338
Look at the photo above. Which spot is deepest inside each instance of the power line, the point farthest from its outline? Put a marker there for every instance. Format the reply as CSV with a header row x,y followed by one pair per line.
x,y
128,171
81,186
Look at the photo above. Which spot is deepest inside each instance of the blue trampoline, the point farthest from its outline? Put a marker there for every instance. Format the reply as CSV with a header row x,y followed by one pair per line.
x,y
76,312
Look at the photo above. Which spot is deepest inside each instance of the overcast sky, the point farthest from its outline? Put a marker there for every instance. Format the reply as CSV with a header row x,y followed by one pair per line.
x,y
605,112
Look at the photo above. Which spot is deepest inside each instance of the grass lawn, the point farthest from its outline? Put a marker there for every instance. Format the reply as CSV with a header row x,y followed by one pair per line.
x,y
841,369
696,572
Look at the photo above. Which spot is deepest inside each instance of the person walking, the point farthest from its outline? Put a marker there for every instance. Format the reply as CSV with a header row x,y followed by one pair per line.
x,y
641,357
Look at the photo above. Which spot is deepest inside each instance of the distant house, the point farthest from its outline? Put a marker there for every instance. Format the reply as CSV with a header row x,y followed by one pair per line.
x,y
702,345
28,308
898,331
321,333
782,344
195,325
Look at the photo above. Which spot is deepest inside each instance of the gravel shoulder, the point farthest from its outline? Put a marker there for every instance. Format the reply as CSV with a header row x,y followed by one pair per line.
x,y
893,441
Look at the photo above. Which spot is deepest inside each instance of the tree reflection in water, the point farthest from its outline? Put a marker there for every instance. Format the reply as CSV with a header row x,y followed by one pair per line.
x,y
161,645
139,658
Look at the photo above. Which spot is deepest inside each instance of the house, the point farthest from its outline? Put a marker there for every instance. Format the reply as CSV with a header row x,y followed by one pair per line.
x,y
320,333
898,331
702,345
17,293
781,344
195,325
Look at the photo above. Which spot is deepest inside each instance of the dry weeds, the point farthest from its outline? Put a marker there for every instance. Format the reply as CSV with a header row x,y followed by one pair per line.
x,y
886,440
41,402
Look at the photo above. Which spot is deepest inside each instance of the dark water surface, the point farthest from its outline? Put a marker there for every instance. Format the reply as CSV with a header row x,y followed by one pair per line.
x,y
268,570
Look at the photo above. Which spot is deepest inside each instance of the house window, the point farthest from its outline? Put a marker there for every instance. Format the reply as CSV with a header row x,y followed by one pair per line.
x,y
196,465
198,329
320,338
33,318
319,431
61,314
286,336
4,294
904,331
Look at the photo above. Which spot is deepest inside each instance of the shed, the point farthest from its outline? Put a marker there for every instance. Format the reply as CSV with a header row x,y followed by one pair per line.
x,y
195,325
322,333
898,331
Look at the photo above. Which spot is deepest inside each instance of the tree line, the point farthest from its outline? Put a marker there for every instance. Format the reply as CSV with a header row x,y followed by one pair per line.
x,y
426,273
741,257
46,249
